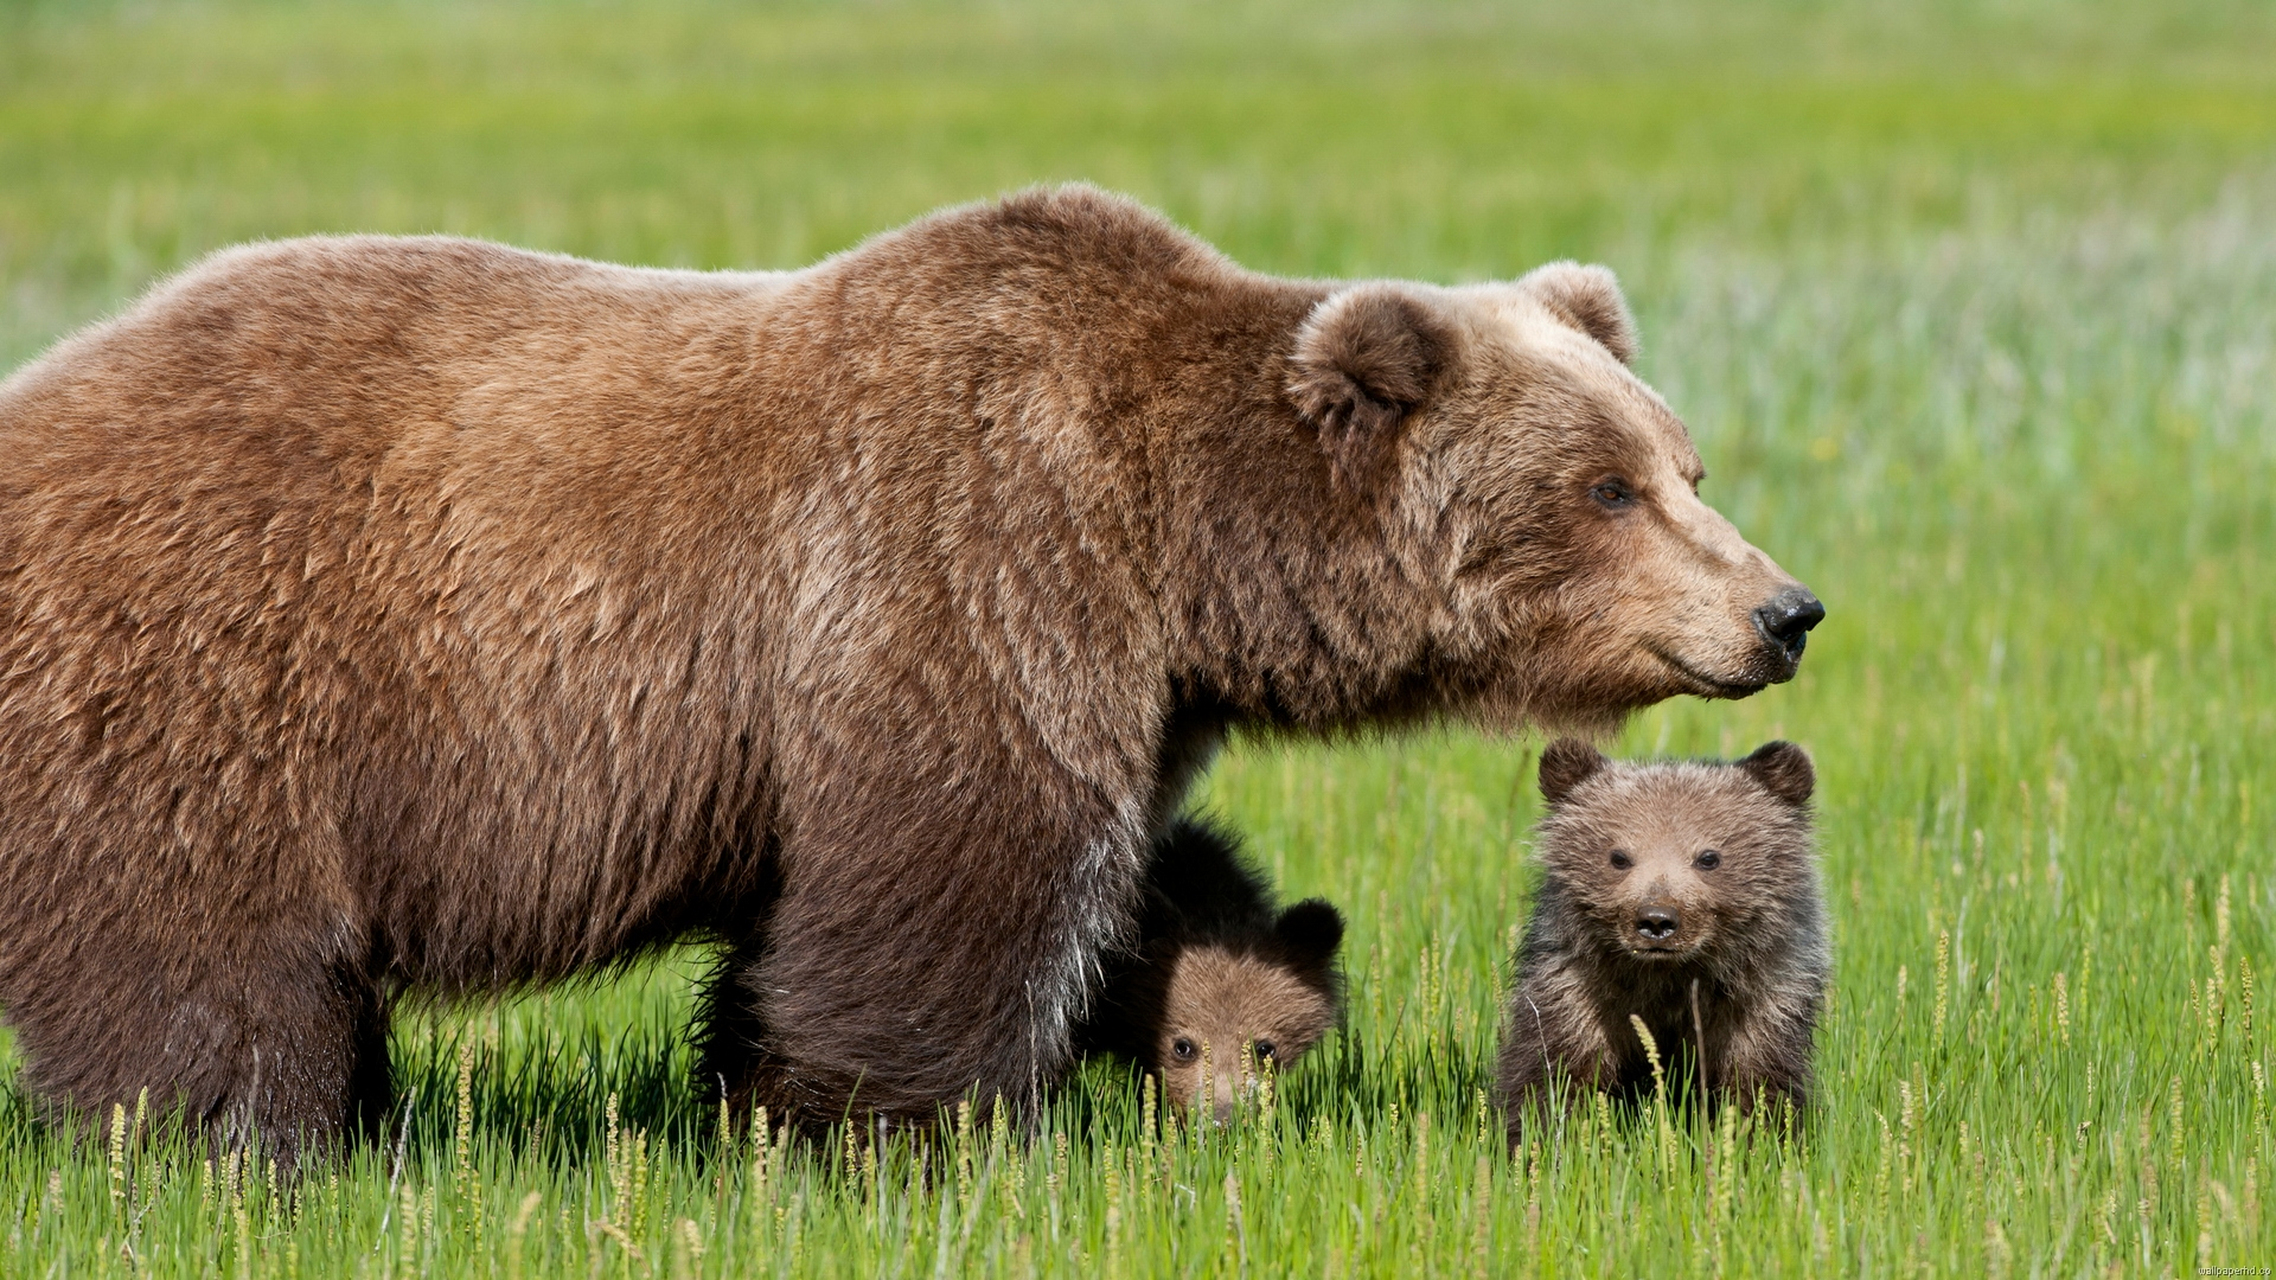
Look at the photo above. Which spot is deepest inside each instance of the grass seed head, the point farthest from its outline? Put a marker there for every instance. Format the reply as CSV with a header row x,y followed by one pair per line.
x,y
118,1153
1943,979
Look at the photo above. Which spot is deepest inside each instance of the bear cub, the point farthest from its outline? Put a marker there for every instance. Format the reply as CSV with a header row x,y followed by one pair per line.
x,y
1219,982
1684,894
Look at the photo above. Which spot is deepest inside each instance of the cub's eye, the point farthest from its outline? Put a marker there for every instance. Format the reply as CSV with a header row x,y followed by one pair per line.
x,y
1265,1049
1183,1048
1613,494
1708,860
1621,861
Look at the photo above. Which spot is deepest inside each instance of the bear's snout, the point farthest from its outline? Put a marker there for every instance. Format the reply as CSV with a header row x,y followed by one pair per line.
x,y
1785,621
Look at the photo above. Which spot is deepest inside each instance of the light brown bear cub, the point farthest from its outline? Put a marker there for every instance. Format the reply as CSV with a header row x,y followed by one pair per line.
x,y
1220,982
1684,894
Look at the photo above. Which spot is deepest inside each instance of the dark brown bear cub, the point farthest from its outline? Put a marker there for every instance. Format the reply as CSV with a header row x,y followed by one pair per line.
x,y
1220,982
1683,894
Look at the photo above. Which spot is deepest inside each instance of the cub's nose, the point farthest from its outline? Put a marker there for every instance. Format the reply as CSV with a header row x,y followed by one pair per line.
x,y
1223,1099
1786,620
1658,924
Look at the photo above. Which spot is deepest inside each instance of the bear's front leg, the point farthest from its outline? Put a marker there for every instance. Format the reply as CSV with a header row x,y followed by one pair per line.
x,y
917,958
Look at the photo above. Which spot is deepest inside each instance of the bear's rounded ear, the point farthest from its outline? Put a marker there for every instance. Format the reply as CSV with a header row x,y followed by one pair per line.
x,y
1312,930
1784,770
1364,359
1567,763
1586,298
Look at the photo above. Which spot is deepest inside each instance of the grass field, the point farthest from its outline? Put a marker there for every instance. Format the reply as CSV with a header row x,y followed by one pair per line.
x,y
1972,310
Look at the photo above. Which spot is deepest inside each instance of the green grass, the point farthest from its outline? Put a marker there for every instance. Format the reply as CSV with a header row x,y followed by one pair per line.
x,y
1970,308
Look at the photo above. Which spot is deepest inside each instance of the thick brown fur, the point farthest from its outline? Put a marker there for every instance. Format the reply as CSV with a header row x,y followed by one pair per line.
x,y
1723,957
423,614
1220,981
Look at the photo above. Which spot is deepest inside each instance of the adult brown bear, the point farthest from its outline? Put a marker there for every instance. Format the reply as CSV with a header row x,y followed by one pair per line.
x,y
418,614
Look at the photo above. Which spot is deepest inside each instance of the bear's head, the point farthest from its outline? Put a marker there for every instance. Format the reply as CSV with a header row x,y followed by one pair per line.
x,y
1230,1006
1548,497
1670,861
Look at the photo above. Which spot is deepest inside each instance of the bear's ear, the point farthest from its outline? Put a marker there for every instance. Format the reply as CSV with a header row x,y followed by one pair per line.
x,y
1365,358
1784,770
1586,298
1311,930
1566,764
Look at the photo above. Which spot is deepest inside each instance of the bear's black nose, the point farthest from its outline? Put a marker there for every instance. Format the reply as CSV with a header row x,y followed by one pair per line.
x,y
1787,619
1657,923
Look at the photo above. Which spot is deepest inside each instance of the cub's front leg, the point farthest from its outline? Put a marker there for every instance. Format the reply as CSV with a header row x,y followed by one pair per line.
x,y
1766,1060
1554,1052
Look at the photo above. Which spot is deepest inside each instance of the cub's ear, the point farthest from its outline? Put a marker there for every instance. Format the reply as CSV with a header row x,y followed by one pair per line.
x,y
1365,358
1784,770
1311,930
1566,764
1586,298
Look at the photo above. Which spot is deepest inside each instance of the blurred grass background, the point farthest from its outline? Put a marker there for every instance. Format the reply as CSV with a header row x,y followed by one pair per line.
x,y
1451,140
1972,308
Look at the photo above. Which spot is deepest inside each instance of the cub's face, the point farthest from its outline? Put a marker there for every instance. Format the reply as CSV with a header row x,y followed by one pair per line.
x,y
1231,1006
1666,862
1225,1015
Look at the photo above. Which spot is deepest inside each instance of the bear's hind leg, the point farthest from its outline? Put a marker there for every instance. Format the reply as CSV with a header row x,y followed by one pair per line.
x,y
296,1062
313,1070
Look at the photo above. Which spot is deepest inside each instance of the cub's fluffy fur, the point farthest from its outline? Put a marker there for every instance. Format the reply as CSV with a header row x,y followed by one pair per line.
x,y
1220,981
1684,894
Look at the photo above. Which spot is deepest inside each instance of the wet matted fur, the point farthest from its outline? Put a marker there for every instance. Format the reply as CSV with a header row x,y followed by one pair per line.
x,y
382,614
1682,893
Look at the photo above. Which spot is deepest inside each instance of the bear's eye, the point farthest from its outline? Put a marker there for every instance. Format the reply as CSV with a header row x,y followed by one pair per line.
x,y
1265,1048
1707,860
1621,861
1613,494
1183,1048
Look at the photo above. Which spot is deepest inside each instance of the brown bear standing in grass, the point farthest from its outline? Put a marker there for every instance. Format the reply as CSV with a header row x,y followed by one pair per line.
x,y
421,615
1220,982
1684,894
